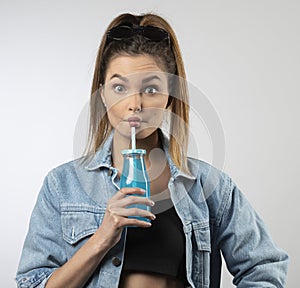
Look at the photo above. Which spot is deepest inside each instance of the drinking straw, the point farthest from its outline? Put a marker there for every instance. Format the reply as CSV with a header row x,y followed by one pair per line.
x,y
133,146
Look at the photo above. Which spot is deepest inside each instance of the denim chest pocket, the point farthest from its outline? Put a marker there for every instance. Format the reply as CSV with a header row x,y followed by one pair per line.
x,y
201,254
80,221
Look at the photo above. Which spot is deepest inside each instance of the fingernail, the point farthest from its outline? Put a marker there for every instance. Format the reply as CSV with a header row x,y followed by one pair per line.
x,y
152,203
153,217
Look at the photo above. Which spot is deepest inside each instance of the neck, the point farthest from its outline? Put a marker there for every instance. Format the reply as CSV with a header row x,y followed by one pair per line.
x,y
121,142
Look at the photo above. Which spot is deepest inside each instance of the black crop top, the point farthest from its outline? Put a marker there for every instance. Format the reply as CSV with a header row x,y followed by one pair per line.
x,y
158,249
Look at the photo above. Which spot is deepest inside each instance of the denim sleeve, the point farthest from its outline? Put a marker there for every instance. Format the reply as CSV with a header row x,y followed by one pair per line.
x,y
250,254
43,249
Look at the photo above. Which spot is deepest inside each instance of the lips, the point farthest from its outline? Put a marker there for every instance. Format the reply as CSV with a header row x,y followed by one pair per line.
x,y
134,121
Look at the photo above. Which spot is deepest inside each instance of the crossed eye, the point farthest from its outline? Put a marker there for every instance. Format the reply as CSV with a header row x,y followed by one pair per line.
x,y
121,89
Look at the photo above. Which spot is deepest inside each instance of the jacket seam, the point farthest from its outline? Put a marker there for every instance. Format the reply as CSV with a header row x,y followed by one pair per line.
x,y
59,209
224,202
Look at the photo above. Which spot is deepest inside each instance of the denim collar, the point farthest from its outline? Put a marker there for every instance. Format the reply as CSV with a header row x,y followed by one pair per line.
x,y
102,157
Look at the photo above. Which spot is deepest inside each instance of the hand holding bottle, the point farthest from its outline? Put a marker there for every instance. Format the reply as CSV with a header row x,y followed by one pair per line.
x,y
118,215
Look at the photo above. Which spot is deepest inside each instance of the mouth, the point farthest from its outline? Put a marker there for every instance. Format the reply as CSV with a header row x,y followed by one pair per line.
x,y
134,121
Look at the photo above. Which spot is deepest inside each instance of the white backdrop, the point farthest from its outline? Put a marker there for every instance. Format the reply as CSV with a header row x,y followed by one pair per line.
x,y
243,55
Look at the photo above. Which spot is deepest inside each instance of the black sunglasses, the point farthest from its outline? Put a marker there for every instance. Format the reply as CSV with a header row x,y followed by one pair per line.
x,y
150,32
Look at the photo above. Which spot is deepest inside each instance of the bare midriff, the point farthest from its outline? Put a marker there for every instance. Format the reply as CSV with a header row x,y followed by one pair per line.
x,y
147,280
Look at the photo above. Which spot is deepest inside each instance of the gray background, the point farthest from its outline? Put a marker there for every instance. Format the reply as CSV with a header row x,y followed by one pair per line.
x,y
243,55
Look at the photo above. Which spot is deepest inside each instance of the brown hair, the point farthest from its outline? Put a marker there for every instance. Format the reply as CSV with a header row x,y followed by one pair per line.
x,y
167,54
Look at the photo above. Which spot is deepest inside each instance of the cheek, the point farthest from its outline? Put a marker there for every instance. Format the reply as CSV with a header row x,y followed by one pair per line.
x,y
154,116
157,113
114,115
157,102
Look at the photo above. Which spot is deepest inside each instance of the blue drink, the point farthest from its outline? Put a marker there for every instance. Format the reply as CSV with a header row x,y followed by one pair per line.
x,y
134,174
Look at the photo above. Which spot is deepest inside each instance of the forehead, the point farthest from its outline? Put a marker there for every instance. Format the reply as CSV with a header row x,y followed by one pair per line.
x,y
127,65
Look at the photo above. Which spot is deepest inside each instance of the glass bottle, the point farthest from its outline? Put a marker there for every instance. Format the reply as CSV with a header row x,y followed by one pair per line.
x,y
134,174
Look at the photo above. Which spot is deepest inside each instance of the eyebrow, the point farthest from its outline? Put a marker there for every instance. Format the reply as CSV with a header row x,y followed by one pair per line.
x,y
146,80
116,75
150,78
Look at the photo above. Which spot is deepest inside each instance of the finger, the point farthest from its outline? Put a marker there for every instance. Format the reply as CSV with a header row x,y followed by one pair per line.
x,y
137,223
127,191
126,212
130,200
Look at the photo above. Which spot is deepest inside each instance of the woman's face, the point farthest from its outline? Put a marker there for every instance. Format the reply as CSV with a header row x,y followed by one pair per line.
x,y
135,94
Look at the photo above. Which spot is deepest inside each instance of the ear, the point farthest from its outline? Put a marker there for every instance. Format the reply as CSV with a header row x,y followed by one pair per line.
x,y
169,101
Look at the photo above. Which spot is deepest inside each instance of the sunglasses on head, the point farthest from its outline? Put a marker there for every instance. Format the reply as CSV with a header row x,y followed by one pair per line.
x,y
152,33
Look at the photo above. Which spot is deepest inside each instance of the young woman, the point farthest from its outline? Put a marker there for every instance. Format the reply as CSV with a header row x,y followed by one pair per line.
x,y
79,234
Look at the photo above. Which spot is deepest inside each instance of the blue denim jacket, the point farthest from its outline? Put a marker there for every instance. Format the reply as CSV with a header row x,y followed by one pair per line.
x,y
215,215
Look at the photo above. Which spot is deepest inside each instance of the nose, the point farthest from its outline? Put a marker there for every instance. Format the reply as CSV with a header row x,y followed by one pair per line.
x,y
135,103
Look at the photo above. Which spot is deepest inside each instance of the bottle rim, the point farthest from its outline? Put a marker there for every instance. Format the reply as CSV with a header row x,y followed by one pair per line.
x,y
133,151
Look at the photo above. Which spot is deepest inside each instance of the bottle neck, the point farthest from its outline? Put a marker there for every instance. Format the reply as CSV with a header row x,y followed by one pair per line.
x,y
120,143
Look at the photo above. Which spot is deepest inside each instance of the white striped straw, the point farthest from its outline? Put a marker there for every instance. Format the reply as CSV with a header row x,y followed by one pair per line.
x,y
133,146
